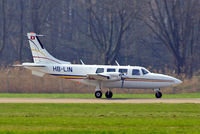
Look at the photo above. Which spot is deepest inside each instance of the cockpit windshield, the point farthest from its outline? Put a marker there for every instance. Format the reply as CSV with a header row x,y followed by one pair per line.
x,y
145,71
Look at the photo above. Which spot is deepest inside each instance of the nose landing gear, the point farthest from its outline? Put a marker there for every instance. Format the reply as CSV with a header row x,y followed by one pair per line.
x,y
158,93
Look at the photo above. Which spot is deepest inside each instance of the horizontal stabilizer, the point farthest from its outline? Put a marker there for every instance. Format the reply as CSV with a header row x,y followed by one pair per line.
x,y
18,65
36,73
36,68
33,65
29,65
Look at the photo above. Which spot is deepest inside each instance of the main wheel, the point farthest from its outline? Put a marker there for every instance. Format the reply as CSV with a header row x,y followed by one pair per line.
x,y
158,94
98,94
108,94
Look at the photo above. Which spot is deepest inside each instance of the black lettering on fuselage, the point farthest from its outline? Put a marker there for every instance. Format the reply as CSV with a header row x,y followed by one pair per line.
x,y
62,69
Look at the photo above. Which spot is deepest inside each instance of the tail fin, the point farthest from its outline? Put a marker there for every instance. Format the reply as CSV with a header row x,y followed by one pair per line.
x,y
39,53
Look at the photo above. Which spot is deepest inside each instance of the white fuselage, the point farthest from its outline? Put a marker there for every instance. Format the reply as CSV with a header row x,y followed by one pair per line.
x,y
78,72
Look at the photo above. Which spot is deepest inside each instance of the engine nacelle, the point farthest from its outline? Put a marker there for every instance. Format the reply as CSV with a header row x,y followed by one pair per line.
x,y
113,76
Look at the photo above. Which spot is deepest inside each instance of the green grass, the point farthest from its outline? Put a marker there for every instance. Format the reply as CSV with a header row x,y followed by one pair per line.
x,y
185,95
99,118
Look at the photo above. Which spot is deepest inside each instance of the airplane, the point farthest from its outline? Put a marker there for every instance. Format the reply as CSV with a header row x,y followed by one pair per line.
x,y
100,76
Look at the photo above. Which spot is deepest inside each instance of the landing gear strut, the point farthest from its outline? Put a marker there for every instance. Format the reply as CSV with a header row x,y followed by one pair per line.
x,y
158,93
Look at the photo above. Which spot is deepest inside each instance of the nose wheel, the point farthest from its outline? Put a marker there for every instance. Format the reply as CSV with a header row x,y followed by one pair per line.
x,y
158,94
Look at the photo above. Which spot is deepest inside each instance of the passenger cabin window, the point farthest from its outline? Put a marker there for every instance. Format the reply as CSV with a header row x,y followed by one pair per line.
x,y
123,71
135,72
110,70
144,71
100,70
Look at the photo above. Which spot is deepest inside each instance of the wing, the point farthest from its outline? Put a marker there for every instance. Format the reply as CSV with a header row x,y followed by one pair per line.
x,y
104,77
97,77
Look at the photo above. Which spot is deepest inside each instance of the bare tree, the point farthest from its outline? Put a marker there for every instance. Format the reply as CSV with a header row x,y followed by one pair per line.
x,y
3,26
111,31
174,24
40,11
107,22
21,30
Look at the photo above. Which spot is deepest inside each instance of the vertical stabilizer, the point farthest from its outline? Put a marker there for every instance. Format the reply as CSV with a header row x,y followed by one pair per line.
x,y
39,53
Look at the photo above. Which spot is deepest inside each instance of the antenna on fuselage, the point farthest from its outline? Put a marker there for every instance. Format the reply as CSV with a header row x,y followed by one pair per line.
x,y
82,62
117,63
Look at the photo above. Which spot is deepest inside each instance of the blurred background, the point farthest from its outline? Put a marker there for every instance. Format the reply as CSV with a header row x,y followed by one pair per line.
x,y
161,35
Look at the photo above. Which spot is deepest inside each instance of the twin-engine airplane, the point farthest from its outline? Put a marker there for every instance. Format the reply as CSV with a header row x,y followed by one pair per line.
x,y
106,76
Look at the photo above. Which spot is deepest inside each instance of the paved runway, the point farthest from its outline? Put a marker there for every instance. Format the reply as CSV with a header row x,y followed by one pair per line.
x,y
82,100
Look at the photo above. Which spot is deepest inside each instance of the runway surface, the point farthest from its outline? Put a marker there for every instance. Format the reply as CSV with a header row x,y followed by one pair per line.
x,y
82,100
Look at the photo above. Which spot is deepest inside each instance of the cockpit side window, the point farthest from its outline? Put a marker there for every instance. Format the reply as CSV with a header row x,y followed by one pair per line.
x,y
110,69
144,72
135,72
123,71
100,70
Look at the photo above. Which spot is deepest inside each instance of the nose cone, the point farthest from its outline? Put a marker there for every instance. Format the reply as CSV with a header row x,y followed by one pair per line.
x,y
177,81
167,80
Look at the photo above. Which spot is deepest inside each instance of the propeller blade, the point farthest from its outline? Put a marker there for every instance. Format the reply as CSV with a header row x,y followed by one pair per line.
x,y
122,83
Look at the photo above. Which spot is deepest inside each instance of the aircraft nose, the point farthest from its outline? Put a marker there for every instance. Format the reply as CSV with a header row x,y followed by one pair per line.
x,y
177,81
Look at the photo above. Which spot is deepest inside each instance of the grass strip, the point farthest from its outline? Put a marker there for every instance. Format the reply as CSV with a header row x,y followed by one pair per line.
x,y
99,118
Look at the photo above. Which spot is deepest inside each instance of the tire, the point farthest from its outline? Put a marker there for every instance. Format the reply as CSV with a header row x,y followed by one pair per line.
x,y
98,94
158,94
108,94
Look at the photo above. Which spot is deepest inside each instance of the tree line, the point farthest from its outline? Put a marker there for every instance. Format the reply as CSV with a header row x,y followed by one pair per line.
x,y
152,33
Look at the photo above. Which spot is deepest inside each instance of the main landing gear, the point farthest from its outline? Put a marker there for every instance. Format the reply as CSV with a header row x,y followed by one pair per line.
x,y
98,93
158,93
108,94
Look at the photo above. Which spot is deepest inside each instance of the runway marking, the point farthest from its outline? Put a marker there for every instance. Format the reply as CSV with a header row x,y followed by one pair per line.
x,y
82,100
